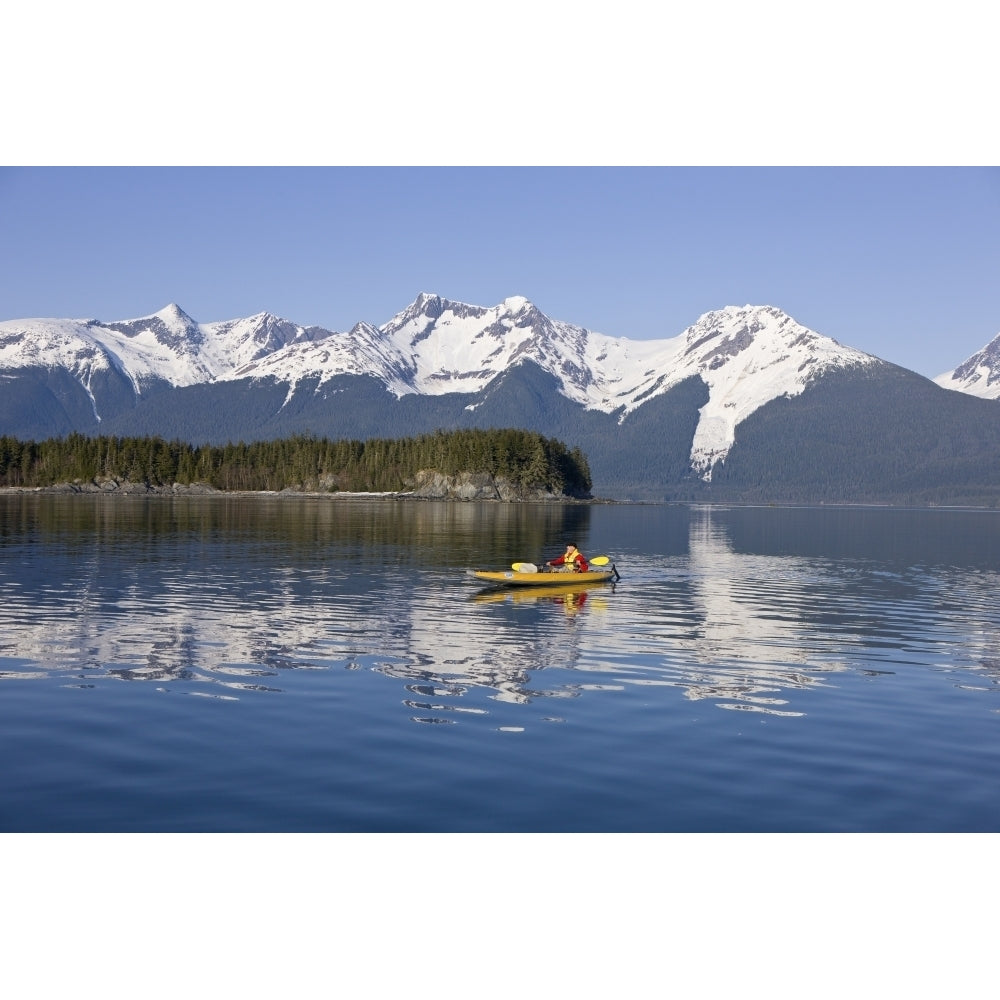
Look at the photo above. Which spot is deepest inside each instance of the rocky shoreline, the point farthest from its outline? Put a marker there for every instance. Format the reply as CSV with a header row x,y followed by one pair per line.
x,y
428,486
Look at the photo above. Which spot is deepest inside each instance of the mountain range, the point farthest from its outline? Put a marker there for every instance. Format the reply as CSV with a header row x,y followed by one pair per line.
x,y
744,405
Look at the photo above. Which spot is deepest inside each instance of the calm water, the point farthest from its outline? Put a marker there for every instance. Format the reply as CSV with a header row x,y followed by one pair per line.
x,y
307,664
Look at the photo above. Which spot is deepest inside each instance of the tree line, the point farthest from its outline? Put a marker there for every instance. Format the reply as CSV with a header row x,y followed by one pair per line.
x,y
525,458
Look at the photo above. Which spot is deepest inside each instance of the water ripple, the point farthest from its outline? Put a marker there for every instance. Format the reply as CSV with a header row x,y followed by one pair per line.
x,y
752,670
738,629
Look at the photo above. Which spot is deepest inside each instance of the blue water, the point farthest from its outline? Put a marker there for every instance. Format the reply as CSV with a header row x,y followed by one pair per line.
x,y
310,664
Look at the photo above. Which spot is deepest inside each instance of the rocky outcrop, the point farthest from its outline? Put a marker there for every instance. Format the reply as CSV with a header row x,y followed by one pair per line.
x,y
124,487
431,485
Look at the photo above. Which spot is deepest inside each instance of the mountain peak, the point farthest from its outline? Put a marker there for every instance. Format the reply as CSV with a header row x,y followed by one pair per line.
x,y
172,314
977,376
515,303
426,306
749,355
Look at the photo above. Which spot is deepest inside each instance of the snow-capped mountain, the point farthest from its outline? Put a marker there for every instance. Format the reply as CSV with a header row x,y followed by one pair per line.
x,y
747,356
744,403
168,346
979,375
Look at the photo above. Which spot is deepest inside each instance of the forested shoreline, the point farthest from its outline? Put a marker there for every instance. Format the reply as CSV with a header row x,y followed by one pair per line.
x,y
525,459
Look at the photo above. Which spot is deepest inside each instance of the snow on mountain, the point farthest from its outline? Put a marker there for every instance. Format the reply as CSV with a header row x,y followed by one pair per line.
x,y
749,356
167,345
171,345
455,347
234,343
979,375
746,355
361,351
435,346
51,343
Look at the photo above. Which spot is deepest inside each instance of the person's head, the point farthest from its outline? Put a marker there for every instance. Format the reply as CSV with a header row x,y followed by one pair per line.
x,y
570,547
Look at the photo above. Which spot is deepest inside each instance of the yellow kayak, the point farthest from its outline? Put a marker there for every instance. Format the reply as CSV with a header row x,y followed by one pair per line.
x,y
517,578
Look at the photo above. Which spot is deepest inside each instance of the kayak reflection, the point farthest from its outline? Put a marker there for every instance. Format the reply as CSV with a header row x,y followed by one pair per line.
x,y
572,596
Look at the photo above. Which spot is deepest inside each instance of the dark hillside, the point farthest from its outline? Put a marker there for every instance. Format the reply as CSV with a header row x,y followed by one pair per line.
x,y
889,436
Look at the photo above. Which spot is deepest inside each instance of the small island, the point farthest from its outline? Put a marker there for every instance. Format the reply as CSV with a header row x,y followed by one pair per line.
x,y
503,465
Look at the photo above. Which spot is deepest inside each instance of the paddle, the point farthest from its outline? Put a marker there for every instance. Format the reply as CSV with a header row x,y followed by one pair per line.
x,y
527,567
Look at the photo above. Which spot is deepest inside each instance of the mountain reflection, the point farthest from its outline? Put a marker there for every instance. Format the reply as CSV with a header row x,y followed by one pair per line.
x,y
498,640
235,594
746,611
734,628
747,629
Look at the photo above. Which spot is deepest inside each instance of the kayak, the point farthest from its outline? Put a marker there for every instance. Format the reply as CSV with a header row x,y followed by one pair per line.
x,y
516,578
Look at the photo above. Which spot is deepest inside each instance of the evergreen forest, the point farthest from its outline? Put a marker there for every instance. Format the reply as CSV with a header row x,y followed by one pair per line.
x,y
526,459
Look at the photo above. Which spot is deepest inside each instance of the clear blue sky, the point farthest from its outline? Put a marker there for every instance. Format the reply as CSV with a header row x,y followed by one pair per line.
x,y
902,262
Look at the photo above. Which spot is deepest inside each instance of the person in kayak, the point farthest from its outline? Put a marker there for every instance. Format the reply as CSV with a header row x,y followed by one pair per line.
x,y
571,561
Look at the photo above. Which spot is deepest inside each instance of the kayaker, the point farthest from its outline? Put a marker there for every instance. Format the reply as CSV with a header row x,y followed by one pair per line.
x,y
571,561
